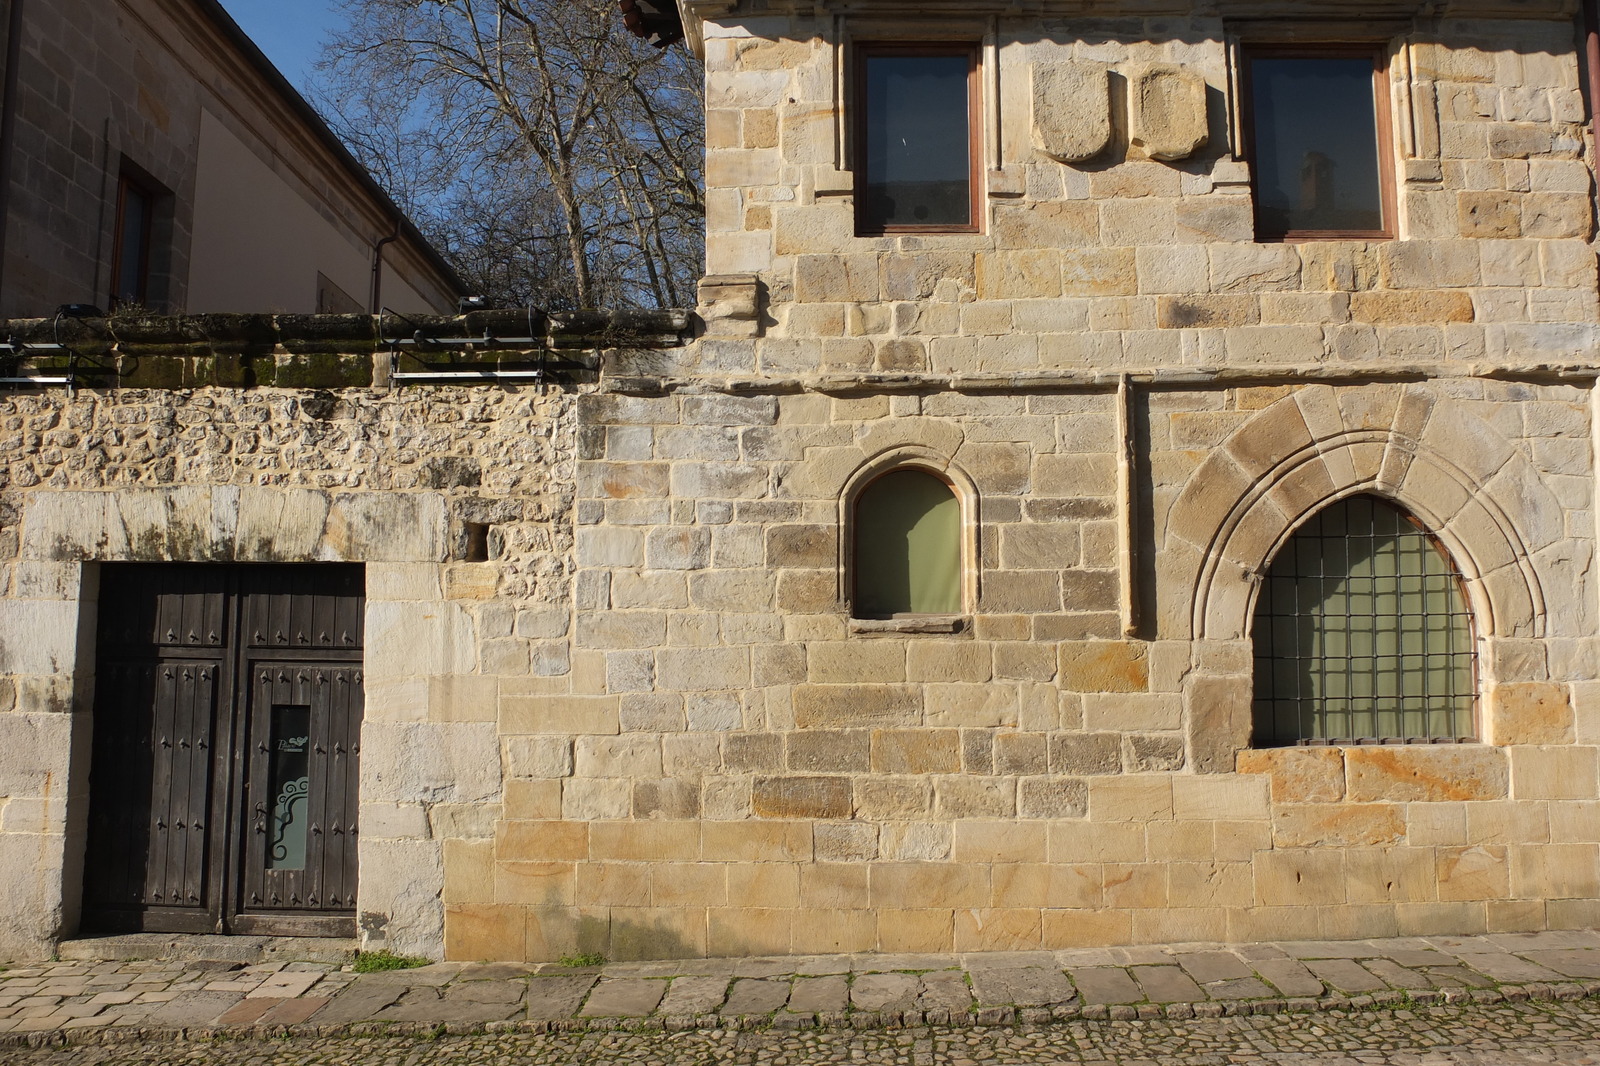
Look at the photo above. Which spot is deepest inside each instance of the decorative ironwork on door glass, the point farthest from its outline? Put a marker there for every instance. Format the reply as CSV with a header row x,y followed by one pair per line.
x,y
290,775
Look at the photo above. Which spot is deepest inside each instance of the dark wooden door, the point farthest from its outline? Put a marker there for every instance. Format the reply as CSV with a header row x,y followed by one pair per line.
x,y
226,745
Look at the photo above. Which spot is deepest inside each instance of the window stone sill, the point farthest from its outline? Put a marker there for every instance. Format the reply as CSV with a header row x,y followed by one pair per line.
x,y
928,623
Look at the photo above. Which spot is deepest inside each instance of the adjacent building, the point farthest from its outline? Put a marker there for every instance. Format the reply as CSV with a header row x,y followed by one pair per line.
x,y
1130,479
151,156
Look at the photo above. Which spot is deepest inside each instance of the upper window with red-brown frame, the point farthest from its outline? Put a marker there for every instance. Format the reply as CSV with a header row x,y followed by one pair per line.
x,y
917,135
130,252
1316,124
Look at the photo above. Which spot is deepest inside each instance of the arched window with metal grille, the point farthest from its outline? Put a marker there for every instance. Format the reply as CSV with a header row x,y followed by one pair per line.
x,y
1362,634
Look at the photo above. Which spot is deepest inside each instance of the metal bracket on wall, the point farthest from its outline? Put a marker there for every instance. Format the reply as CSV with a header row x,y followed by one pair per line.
x,y
13,351
419,341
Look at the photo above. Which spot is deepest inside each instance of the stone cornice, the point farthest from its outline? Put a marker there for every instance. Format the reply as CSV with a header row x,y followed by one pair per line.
x,y
711,10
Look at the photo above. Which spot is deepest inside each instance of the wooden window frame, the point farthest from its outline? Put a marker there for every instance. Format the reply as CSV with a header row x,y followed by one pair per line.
x,y
152,197
1383,122
866,50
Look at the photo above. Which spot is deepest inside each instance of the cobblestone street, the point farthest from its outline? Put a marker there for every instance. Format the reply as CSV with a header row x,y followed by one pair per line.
x,y
1565,1033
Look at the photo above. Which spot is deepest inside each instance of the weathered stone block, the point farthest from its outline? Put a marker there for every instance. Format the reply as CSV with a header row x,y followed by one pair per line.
x,y
1167,112
1071,110
802,797
830,751
1086,753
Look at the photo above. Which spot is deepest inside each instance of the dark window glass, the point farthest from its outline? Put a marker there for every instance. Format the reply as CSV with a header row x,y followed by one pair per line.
x,y
130,270
907,547
1361,632
915,141
1316,144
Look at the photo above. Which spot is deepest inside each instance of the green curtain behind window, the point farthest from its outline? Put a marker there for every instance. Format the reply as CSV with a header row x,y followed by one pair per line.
x,y
907,547
1361,632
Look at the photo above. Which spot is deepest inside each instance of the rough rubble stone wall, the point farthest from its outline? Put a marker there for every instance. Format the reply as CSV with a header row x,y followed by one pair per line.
x,y
384,478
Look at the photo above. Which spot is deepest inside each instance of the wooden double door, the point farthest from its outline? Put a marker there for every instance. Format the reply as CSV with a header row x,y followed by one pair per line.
x,y
227,723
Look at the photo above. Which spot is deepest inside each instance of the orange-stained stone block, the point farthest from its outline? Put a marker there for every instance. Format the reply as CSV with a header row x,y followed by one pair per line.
x,y
484,932
1105,666
916,930
541,841
1298,775
997,930
1085,928
1530,712
1302,825
1478,872
1425,772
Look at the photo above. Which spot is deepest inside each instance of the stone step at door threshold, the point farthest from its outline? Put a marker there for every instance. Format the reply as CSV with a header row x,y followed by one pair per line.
x,y
210,948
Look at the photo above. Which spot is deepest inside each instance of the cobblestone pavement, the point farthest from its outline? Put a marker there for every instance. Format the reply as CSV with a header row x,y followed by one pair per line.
x,y
1513,1034
88,1003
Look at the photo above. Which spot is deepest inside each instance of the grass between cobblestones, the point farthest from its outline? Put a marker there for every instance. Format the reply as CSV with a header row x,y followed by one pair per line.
x,y
381,961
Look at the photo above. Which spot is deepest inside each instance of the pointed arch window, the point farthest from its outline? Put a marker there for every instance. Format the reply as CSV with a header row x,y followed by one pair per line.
x,y
1362,634
906,556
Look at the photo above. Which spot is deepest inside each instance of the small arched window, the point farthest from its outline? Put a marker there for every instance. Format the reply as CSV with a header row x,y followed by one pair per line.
x,y
907,546
1362,633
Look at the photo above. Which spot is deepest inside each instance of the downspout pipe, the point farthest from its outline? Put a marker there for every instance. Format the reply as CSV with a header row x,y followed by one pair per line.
x,y
377,267
8,125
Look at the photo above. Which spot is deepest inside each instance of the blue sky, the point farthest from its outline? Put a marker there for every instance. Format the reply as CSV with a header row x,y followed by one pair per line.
x,y
291,32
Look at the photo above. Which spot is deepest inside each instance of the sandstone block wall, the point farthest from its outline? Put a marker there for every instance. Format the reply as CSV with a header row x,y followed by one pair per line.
x,y
1119,261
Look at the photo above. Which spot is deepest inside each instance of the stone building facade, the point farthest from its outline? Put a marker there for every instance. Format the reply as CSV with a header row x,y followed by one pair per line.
x,y
622,692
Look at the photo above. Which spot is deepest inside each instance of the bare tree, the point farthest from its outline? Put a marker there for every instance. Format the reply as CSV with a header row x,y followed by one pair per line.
x,y
551,155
